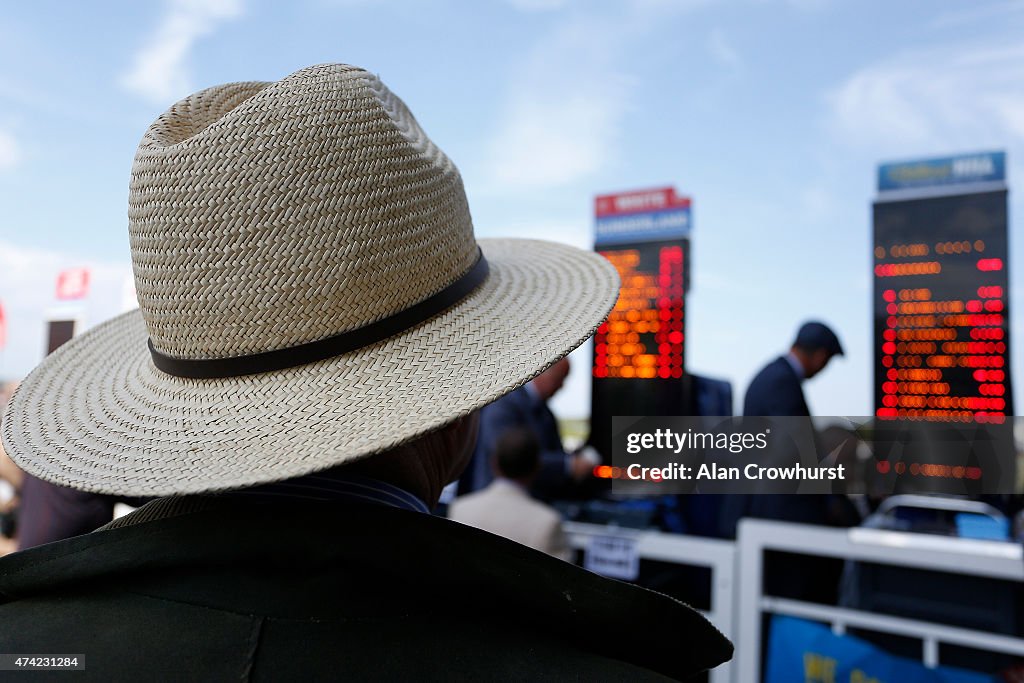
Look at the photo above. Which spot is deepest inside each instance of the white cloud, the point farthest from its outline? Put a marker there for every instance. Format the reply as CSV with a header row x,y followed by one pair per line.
x,y
723,51
570,93
159,71
25,269
561,112
943,99
18,263
28,281
10,152
547,142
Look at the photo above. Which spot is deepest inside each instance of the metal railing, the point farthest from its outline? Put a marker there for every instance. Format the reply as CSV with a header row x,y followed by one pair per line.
x,y
718,555
991,559
738,600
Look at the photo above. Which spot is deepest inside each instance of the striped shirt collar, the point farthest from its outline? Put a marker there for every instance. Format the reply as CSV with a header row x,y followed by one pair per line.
x,y
332,486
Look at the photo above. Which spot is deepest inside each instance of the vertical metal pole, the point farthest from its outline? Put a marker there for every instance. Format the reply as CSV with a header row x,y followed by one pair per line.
x,y
749,563
723,609
930,656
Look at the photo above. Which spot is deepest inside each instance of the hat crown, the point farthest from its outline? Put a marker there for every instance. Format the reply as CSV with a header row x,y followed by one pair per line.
x,y
267,215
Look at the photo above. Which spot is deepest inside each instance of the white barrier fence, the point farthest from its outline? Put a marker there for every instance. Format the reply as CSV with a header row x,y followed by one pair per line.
x,y
738,600
718,555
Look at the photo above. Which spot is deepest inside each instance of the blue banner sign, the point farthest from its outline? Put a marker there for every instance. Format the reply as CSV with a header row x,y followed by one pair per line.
x,y
806,651
983,167
641,216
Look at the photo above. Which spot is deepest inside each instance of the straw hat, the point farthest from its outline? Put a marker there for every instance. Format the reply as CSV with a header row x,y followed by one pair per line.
x,y
310,293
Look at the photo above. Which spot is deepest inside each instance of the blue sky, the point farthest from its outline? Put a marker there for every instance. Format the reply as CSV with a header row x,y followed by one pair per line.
x,y
771,114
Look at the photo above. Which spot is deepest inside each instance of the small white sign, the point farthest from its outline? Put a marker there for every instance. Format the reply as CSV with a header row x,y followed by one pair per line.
x,y
613,556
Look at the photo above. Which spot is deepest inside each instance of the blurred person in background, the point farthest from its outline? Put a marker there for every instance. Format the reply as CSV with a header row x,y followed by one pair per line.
x,y
49,512
318,327
505,507
527,408
776,391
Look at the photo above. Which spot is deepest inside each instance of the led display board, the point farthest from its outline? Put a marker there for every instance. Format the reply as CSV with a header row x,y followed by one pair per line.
x,y
643,336
940,298
639,351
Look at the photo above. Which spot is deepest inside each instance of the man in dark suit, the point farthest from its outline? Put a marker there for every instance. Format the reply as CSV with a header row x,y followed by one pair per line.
x,y
527,408
776,390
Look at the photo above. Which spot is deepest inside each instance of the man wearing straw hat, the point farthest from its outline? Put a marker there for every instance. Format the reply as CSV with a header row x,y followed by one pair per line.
x,y
317,328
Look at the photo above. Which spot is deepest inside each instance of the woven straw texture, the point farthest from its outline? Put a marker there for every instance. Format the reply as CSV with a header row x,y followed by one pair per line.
x,y
265,215
325,161
97,415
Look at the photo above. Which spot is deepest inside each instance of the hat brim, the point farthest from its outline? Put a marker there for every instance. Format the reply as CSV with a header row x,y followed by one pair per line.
x,y
97,415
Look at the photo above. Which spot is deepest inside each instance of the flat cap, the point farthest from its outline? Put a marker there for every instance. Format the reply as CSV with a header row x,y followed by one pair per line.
x,y
817,335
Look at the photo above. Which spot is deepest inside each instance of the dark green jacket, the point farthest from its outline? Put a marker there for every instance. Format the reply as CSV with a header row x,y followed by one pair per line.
x,y
199,589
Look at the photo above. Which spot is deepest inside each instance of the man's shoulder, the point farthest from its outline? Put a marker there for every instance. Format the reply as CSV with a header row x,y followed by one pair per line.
x,y
774,376
776,369
517,395
470,502
775,390
539,511
496,496
328,573
515,401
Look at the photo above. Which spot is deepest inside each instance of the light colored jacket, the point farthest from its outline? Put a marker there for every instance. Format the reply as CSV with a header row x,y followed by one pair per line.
x,y
506,509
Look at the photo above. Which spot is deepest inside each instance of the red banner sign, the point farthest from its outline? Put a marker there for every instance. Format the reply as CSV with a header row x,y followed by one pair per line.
x,y
73,283
640,201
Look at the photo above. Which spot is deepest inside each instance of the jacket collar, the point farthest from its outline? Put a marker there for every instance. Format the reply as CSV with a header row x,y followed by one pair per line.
x,y
507,485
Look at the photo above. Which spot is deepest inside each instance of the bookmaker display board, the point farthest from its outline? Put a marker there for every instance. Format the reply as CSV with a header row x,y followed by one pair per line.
x,y
941,301
943,396
639,352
